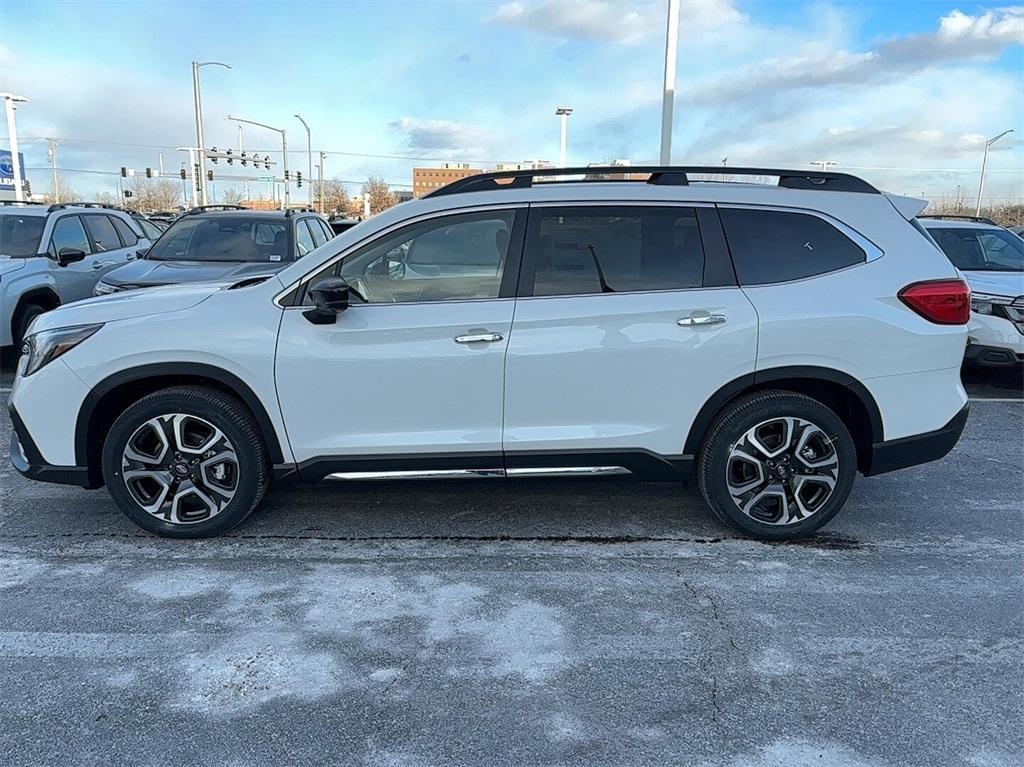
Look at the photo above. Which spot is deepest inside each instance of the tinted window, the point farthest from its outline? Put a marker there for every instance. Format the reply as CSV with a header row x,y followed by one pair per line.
x,y
772,246
443,259
328,232
128,237
319,238
151,230
303,239
223,238
613,250
19,235
68,232
981,250
103,234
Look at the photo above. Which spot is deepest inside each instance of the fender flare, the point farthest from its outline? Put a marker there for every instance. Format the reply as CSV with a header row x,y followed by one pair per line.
x,y
161,369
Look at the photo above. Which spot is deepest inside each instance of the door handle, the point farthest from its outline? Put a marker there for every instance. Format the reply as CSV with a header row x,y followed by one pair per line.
x,y
478,338
98,264
702,318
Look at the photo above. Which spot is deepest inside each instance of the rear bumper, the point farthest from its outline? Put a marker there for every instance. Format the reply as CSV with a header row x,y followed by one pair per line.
x,y
27,459
919,448
992,356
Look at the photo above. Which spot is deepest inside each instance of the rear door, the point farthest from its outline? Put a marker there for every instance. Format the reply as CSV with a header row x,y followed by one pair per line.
x,y
629,320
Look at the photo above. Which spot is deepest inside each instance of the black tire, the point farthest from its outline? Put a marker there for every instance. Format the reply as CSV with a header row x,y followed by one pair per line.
x,y
217,409
22,319
731,426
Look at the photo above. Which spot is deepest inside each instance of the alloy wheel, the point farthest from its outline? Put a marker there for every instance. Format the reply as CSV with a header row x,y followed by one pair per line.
x,y
782,471
180,468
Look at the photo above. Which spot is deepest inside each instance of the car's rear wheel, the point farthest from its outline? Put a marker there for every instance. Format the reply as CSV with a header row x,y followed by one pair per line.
x,y
186,462
777,465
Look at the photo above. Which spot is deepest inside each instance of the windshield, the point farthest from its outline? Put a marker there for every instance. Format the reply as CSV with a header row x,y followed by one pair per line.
x,y
19,235
223,238
981,250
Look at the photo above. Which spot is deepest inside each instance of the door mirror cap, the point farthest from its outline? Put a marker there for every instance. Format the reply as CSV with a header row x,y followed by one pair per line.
x,y
142,252
330,297
67,256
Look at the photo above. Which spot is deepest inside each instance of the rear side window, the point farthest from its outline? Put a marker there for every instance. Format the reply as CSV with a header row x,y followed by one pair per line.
x,y
303,239
319,238
103,234
615,250
128,237
68,233
772,246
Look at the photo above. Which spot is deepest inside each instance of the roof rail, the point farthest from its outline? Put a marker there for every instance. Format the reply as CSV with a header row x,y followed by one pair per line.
x,y
291,211
955,217
63,205
660,175
204,208
20,202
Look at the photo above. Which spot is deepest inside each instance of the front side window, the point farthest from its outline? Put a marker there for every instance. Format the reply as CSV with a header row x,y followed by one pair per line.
x,y
103,234
981,250
68,232
615,249
774,246
128,237
448,258
151,230
223,238
20,235
303,239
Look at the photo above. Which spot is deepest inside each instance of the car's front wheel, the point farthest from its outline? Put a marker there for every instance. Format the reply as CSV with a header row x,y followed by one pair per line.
x,y
777,465
185,462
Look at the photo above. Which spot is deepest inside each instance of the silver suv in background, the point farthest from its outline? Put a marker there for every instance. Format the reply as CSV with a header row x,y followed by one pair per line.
x,y
54,254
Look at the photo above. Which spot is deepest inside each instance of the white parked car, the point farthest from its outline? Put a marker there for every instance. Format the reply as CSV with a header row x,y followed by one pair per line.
x,y
992,260
773,339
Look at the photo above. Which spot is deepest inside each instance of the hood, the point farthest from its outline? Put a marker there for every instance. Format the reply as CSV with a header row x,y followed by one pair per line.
x,y
144,273
130,304
996,283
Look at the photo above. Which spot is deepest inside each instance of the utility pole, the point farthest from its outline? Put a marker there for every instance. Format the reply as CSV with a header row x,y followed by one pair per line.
x,y
12,137
320,167
563,113
196,65
309,157
51,150
669,97
245,184
984,163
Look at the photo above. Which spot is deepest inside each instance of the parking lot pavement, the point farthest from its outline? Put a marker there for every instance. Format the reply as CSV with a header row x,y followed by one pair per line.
x,y
513,622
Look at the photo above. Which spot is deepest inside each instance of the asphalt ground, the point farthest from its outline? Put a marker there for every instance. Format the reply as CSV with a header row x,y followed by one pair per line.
x,y
522,622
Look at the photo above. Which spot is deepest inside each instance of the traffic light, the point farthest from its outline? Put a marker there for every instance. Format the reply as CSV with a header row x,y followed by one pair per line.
x,y
244,161
266,161
183,174
214,150
209,175
124,172
231,160
128,193
287,175
298,178
149,173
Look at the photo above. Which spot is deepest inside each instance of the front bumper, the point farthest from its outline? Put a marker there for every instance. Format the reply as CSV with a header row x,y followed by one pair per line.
x,y
917,449
29,462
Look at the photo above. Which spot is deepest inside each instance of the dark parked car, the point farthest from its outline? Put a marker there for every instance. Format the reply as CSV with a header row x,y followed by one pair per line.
x,y
340,224
222,242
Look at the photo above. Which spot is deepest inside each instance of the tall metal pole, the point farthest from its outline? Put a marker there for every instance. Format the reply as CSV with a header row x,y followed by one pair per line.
x,y
309,156
669,97
984,163
12,137
284,163
52,151
563,113
245,184
201,147
320,169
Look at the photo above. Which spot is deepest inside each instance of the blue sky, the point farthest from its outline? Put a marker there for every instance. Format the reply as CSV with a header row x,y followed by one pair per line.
x,y
902,93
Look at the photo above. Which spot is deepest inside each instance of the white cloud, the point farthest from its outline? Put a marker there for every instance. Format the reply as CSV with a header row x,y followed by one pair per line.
x,y
444,137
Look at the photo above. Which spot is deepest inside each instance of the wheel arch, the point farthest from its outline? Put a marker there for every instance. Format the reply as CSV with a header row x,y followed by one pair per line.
x,y
109,398
44,296
847,396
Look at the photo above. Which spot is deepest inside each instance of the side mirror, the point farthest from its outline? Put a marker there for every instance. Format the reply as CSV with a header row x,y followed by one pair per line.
x,y
67,256
141,252
330,297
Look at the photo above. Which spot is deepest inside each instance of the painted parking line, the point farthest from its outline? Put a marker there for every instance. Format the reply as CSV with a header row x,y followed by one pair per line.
x,y
981,399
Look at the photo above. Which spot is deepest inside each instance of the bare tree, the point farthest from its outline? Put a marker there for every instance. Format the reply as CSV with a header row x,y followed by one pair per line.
x,y
233,197
335,196
107,198
379,193
63,192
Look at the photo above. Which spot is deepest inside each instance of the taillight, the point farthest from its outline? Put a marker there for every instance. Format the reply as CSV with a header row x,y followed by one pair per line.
x,y
944,302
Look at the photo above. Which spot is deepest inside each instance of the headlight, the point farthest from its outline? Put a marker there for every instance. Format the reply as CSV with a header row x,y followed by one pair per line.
x,y
984,303
44,347
103,288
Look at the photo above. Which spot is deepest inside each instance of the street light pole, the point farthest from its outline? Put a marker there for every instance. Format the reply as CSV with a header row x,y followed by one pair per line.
x,y
564,113
284,152
669,96
984,163
12,137
199,121
309,156
320,167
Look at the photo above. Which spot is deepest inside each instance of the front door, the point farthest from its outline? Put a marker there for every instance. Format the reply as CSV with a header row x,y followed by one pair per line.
x,y
627,325
410,375
76,280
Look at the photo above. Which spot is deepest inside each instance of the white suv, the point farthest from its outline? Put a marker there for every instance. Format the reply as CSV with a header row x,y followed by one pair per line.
x,y
773,339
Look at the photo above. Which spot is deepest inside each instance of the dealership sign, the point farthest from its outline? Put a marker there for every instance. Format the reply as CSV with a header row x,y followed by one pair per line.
x,y
7,167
